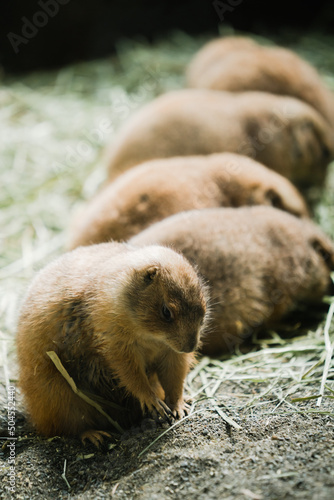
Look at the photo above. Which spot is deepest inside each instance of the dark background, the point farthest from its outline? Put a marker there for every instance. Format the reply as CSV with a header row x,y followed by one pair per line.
x,y
84,29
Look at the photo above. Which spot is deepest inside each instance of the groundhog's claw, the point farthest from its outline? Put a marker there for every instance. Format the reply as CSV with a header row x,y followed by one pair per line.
x,y
159,419
166,409
181,410
159,408
95,437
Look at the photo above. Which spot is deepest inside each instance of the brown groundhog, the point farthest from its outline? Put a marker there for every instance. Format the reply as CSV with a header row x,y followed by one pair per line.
x,y
238,64
117,317
283,133
154,190
259,262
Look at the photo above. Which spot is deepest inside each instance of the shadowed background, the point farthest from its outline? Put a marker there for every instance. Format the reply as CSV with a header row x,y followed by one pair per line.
x,y
49,33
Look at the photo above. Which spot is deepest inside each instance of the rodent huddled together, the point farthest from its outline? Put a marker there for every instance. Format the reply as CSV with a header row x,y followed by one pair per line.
x,y
281,132
239,64
116,317
203,267
158,188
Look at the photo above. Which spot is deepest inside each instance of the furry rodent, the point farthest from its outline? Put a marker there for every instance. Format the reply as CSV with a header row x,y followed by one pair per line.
x,y
283,133
239,64
259,262
159,188
117,317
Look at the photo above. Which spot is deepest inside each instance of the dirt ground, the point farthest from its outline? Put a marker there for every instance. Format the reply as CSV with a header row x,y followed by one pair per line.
x,y
260,436
275,454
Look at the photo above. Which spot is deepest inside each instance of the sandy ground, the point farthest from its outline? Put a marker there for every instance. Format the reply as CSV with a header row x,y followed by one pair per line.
x,y
275,454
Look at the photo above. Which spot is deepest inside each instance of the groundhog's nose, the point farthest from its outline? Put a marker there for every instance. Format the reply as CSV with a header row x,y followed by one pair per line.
x,y
191,343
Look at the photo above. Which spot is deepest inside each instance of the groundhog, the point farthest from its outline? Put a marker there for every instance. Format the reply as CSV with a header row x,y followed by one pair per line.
x,y
283,133
118,318
154,190
238,64
259,262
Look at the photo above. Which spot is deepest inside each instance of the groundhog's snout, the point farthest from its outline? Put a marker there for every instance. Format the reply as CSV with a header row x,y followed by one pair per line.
x,y
191,343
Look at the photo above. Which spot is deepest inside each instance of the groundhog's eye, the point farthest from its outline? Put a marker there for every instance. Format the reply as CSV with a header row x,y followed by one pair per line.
x,y
167,313
274,198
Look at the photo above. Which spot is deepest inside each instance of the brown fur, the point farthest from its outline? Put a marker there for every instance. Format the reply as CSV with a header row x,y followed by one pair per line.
x,y
152,191
259,262
283,133
100,309
239,64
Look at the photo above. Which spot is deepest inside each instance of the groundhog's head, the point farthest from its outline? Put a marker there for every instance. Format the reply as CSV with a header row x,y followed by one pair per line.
x,y
323,256
259,185
167,299
281,195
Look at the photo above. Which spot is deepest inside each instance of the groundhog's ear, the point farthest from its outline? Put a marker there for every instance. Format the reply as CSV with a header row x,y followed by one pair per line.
x,y
274,198
150,273
320,248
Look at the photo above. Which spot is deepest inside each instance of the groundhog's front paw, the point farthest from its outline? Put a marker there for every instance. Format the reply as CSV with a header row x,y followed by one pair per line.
x,y
156,407
95,437
180,409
